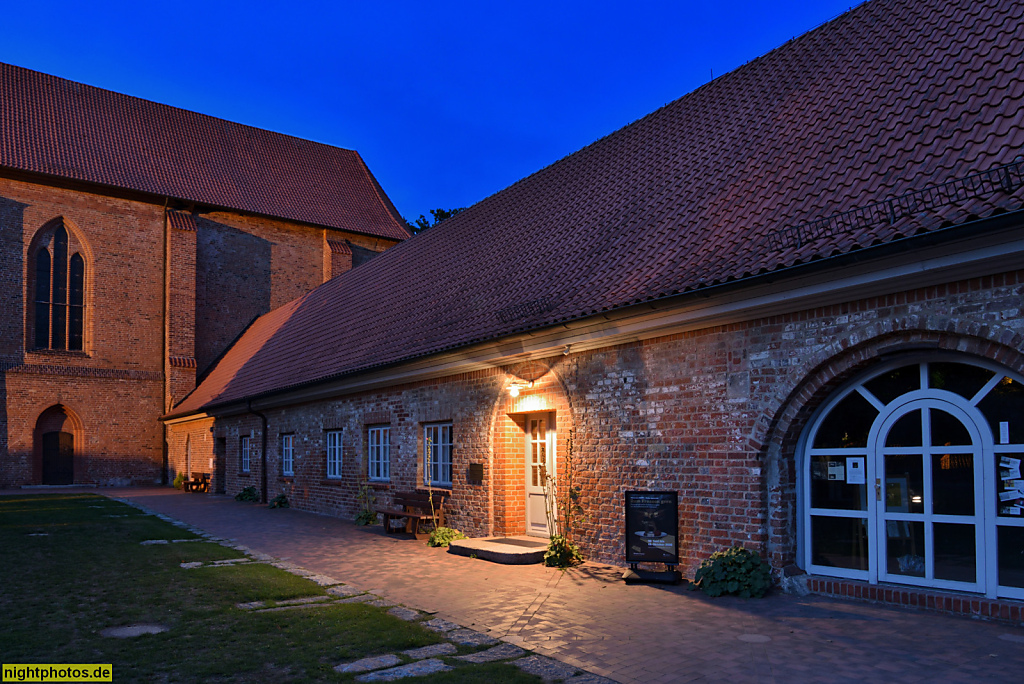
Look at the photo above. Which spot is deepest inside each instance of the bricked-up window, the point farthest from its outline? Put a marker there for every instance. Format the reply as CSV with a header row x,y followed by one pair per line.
x,y
287,455
334,453
244,446
379,441
59,296
437,455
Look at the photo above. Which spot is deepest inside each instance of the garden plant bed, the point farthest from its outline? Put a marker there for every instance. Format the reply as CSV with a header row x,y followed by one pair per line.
x,y
82,568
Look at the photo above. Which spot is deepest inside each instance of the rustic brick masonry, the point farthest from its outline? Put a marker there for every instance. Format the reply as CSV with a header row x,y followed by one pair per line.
x,y
714,414
224,269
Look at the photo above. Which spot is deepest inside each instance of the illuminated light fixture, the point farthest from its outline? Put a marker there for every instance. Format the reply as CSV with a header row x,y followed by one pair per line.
x,y
516,387
566,350
916,499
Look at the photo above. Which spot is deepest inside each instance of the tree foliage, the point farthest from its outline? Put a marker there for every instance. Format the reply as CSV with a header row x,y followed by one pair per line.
x,y
423,223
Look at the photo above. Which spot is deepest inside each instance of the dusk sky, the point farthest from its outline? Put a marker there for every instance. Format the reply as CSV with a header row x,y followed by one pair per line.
x,y
447,102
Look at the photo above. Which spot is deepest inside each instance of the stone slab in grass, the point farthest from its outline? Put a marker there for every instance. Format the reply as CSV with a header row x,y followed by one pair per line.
x,y
323,580
380,602
129,631
345,590
470,637
192,565
439,625
151,542
362,598
431,651
547,669
500,652
251,605
367,664
418,669
407,614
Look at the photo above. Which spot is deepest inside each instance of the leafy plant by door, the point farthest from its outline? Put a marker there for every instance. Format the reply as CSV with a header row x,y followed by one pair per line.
x,y
736,571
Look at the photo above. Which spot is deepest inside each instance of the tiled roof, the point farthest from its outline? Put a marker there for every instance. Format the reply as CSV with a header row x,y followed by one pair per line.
x,y
892,97
52,126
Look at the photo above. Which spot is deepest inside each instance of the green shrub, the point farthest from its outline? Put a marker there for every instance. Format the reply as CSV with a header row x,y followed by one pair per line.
x,y
442,536
735,571
247,494
179,481
562,553
366,498
279,501
366,518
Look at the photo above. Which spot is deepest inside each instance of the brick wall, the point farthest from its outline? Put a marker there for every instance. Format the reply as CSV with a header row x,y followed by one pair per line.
x,y
223,269
713,414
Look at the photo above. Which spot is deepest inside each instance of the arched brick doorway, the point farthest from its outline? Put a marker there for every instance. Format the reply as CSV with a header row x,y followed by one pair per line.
x,y
57,436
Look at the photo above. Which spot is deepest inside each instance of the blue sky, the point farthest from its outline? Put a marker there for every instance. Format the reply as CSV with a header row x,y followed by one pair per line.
x,y
448,102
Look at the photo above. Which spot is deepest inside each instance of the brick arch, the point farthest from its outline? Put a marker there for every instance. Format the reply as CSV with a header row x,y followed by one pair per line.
x,y
57,418
507,467
781,424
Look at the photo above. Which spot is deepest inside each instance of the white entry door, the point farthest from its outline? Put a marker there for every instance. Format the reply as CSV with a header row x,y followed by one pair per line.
x,y
930,495
540,465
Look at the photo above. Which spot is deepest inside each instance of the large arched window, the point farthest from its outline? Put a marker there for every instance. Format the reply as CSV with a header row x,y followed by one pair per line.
x,y
912,475
59,293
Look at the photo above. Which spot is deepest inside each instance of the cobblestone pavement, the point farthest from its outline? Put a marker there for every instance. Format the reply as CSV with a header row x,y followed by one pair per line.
x,y
588,618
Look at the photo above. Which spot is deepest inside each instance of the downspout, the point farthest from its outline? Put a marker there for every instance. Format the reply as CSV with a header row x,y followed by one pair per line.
x,y
165,465
263,451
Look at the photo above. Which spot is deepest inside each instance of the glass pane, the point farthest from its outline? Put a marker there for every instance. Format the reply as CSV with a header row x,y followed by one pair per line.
x,y
847,424
1011,556
60,325
43,276
954,552
906,432
1010,486
953,484
904,547
60,267
1003,408
839,542
75,326
958,378
904,484
829,488
42,326
895,383
947,430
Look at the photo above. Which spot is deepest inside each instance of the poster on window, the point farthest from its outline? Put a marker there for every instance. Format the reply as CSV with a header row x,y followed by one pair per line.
x,y
1011,494
652,527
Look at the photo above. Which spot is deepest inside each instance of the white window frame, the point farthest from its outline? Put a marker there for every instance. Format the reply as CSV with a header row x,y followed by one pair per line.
x,y
288,455
335,441
245,448
378,444
437,455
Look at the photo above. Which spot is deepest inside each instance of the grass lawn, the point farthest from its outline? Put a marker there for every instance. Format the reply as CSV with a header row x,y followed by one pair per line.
x,y
74,566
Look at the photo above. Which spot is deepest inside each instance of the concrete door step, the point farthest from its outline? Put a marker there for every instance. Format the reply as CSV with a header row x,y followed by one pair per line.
x,y
504,550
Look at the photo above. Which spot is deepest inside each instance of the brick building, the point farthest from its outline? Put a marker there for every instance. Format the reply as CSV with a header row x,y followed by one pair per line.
x,y
793,296
137,241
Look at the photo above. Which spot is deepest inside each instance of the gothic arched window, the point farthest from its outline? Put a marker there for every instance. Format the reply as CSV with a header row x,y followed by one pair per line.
x,y
59,294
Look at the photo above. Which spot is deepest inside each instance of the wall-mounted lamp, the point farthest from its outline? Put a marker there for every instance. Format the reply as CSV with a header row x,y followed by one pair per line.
x,y
517,387
565,351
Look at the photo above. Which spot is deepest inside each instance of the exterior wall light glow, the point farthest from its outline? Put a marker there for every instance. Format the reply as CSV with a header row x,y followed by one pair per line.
x,y
516,387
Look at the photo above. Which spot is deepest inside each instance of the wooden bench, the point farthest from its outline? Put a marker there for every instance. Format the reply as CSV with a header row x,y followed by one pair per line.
x,y
414,507
199,483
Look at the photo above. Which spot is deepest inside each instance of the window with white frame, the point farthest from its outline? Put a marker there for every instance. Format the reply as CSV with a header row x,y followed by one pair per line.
x,y
334,454
437,454
378,440
244,445
287,455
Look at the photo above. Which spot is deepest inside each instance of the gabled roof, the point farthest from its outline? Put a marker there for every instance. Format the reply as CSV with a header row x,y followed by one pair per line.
x,y
56,127
894,97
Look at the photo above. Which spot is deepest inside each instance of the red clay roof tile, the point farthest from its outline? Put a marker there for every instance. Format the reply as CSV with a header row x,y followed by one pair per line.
x,y
890,98
52,126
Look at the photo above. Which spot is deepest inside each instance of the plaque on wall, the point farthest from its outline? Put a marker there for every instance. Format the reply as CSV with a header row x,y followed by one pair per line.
x,y
652,527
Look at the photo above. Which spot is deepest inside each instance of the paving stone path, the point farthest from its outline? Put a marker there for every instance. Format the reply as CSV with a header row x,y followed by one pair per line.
x,y
389,667
587,618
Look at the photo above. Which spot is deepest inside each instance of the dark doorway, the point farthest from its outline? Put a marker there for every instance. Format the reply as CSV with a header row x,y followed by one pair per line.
x,y
220,456
58,458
